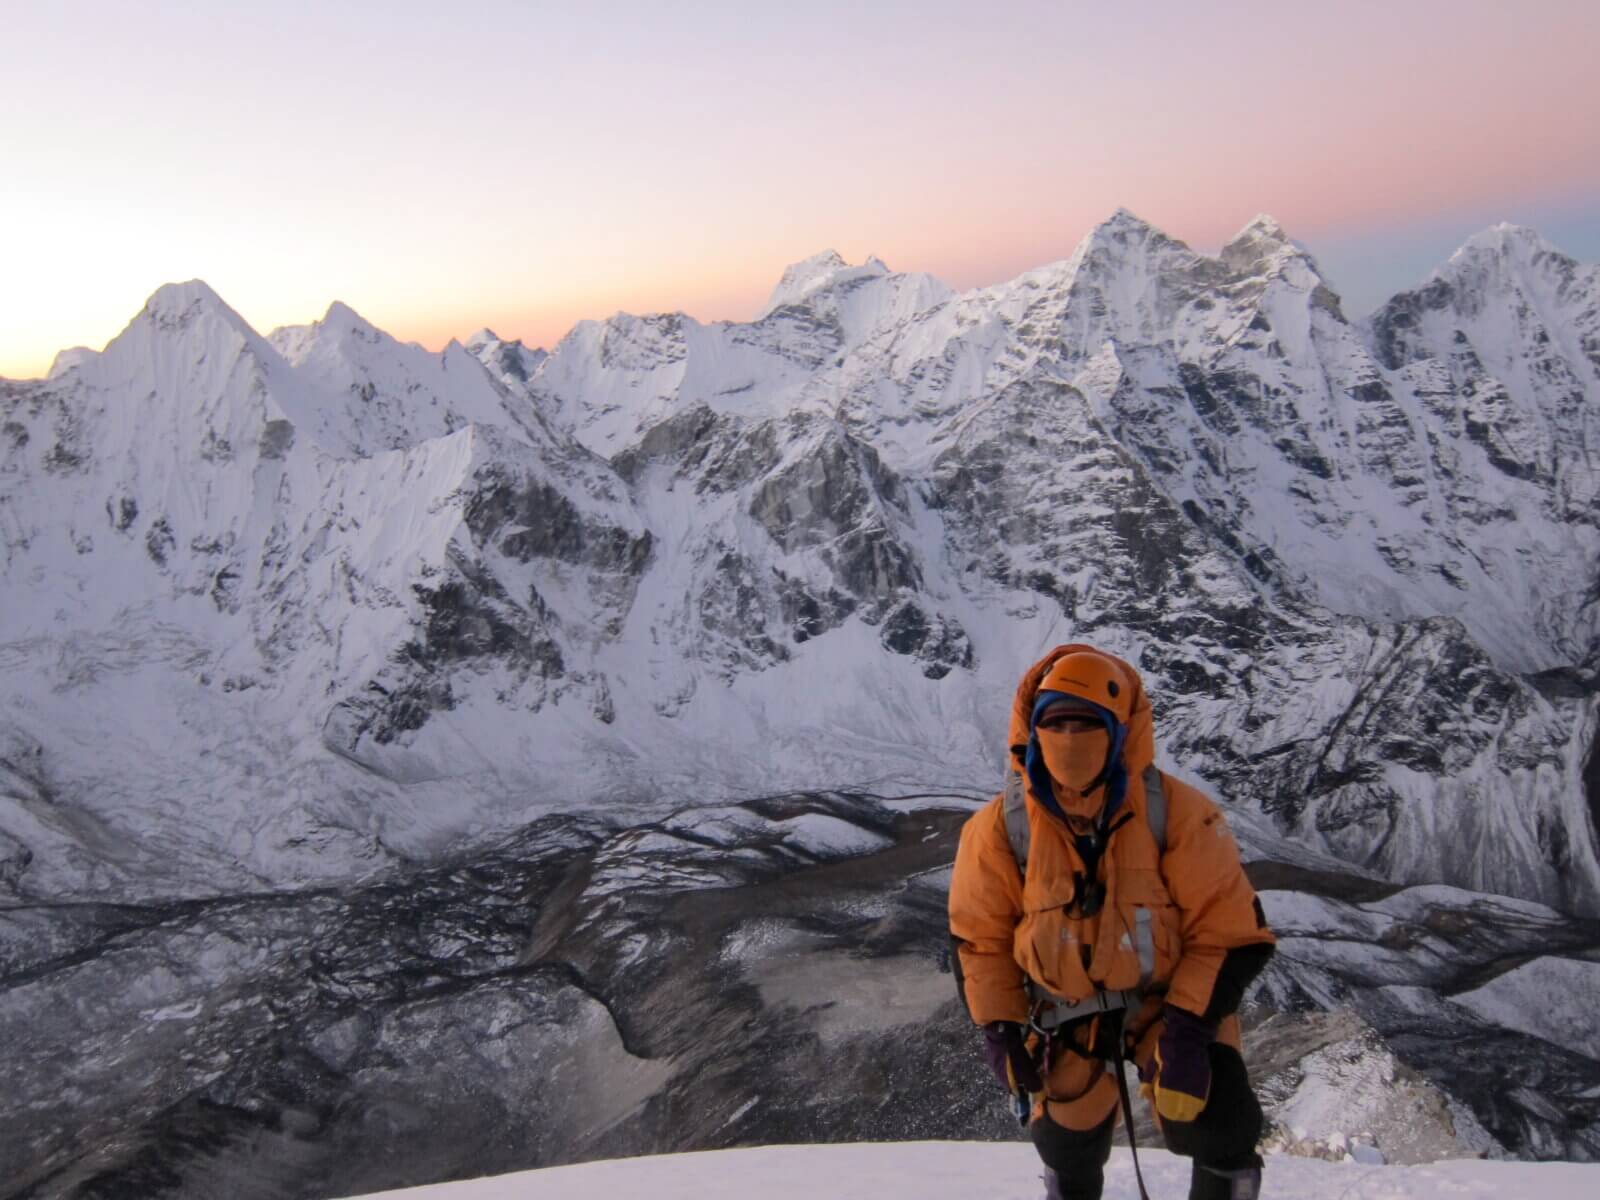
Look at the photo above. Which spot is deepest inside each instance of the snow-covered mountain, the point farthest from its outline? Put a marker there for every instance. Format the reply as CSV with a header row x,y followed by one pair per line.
x,y
266,597
321,634
219,576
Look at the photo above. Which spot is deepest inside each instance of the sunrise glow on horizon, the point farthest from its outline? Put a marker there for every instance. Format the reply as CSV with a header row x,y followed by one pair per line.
x,y
526,166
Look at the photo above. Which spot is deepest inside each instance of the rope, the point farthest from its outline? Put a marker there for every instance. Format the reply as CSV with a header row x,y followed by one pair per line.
x,y
1127,1119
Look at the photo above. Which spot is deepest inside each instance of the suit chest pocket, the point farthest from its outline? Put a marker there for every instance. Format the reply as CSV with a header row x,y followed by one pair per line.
x,y
1147,944
1050,948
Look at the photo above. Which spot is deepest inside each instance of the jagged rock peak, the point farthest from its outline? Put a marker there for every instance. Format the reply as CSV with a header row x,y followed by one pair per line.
x,y
1115,236
177,297
820,262
66,360
341,318
1122,228
1262,239
483,337
1264,247
1503,260
187,321
1263,228
1126,221
1506,241
1122,246
811,275
177,306
339,326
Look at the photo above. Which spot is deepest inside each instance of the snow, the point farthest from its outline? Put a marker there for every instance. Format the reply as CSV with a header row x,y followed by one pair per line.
x,y
993,1171
802,278
70,359
311,482
377,393
829,837
1550,998
1353,1096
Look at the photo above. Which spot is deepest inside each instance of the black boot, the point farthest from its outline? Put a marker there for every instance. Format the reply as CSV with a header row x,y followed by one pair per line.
x,y
1084,1186
1239,1180
1074,1159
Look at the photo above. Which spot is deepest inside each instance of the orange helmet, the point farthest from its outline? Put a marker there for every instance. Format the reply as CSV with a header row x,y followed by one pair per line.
x,y
1092,677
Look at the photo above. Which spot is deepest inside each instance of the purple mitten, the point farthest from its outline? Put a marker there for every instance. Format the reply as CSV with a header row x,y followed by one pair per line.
x,y
994,1052
1183,1065
1006,1051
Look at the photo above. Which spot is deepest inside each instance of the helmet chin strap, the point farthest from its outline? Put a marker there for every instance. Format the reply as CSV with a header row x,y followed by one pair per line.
x,y
1099,781
1108,769
1113,754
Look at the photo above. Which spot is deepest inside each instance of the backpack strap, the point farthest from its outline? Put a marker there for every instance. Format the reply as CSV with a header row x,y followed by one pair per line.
x,y
1155,806
1014,804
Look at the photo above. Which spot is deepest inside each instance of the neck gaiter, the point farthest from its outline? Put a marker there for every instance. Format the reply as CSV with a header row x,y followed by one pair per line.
x,y
1074,757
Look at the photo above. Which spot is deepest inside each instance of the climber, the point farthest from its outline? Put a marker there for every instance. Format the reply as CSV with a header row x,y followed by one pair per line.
x,y
1100,913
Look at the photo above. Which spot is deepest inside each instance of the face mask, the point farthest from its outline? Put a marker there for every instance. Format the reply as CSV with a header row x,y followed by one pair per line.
x,y
1074,757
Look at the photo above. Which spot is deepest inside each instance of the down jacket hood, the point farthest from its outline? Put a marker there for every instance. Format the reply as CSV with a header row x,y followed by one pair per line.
x,y
1108,684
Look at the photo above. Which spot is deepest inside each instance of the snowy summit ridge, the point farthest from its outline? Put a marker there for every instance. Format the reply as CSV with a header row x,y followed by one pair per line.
x,y
473,585
809,274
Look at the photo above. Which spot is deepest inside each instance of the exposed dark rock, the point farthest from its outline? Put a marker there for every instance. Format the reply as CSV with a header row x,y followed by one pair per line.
x,y
225,590
736,608
122,512
1326,299
1305,456
872,564
160,541
1483,432
385,715
277,439
1591,790
938,642
684,437
63,458
466,620
508,358
1209,408
838,487
720,453
545,524
215,448
808,615
603,707
643,343
471,617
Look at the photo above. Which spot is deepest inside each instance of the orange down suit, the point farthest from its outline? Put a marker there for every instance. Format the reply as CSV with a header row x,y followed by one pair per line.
x,y
1190,906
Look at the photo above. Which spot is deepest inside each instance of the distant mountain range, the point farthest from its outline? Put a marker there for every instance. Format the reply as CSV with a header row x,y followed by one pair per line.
x,y
296,607
385,733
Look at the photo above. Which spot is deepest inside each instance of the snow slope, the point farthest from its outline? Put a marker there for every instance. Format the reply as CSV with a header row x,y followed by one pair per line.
x,y
963,1170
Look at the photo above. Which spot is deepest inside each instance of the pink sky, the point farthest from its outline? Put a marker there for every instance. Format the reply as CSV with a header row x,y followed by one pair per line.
x,y
525,165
